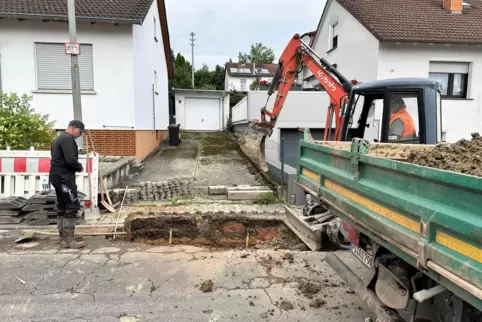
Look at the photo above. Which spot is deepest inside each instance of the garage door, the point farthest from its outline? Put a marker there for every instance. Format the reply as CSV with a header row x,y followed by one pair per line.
x,y
203,114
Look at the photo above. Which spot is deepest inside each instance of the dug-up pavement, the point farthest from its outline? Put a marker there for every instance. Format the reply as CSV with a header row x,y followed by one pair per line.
x,y
193,206
209,158
112,281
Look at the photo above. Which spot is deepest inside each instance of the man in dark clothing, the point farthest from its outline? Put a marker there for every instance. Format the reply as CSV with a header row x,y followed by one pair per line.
x,y
64,164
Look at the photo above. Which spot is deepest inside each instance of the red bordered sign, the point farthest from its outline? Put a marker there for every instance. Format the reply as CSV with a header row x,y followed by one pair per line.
x,y
72,48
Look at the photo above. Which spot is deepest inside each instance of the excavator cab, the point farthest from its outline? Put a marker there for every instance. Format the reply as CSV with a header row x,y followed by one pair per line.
x,y
399,110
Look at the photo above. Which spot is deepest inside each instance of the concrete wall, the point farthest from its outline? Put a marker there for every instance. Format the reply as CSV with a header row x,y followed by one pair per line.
x,y
181,96
112,103
149,57
356,55
460,117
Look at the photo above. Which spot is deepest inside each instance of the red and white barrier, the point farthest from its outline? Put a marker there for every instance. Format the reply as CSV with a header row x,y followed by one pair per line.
x,y
22,173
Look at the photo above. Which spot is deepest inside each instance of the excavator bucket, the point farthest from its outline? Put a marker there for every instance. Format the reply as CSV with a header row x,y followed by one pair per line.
x,y
252,145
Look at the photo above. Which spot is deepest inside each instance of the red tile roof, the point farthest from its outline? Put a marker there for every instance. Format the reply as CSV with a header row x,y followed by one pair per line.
x,y
423,21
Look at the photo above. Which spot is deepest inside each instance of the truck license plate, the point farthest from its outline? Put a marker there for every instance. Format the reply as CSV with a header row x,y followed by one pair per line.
x,y
362,255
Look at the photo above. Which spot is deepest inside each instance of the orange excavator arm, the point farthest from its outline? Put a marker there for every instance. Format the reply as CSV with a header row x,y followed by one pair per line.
x,y
296,55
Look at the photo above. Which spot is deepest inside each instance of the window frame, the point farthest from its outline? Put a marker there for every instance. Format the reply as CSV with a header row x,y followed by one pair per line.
x,y
333,37
155,29
387,114
88,91
450,85
241,84
156,83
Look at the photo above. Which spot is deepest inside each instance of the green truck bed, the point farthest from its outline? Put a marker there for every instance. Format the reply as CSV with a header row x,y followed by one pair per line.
x,y
431,218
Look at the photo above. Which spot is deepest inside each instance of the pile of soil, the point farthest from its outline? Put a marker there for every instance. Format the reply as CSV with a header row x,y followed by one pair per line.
x,y
317,303
207,286
289,257
309,289
286,305
465,156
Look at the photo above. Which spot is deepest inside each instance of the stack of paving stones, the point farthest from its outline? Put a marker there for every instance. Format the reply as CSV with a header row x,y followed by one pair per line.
x,y
155,191
38,210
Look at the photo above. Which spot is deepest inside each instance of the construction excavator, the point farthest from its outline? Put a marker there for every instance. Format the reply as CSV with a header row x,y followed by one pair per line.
x,y
297,55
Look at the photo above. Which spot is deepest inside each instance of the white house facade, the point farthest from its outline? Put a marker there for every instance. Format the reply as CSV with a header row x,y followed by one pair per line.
x,y
124,68
240,76
448,53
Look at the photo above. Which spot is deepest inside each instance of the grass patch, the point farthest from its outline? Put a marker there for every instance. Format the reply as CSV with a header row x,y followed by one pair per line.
x,y
268,198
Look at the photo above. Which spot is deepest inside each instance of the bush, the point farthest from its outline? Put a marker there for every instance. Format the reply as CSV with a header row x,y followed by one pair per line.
x,y
20,127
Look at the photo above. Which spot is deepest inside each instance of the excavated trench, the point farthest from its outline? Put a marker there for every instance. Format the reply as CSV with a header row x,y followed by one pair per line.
x,y
213,230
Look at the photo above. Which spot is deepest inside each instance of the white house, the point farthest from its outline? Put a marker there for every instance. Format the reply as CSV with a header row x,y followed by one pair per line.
x,y
240,76
125,63
369,40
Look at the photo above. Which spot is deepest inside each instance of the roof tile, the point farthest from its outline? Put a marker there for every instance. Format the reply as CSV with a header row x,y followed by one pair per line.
x,y
100,9
418,20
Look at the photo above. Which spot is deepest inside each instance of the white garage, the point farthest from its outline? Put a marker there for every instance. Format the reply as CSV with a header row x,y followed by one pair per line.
x,y
201,110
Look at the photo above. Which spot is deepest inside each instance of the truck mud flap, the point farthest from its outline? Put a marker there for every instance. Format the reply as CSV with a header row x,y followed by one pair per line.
x,y
383,313
312,235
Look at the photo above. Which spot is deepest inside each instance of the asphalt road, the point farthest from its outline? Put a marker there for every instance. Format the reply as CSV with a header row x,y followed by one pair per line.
x,y
118,281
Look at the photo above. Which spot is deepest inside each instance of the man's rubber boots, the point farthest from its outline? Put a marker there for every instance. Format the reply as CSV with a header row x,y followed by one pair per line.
x,y
69,234
60,228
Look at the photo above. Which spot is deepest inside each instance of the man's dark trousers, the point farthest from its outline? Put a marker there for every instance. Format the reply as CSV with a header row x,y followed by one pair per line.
x,y
68,203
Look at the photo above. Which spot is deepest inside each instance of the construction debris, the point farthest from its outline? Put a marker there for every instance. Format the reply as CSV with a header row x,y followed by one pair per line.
x,y
465,156
38,210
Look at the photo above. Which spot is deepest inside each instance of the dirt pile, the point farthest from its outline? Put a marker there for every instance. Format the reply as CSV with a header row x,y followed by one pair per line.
x,y
317,303
465,156
286,305
207,286
289,257
309,289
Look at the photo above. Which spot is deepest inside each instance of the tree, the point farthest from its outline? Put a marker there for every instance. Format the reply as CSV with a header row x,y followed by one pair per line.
x,y
204,78
22,128
219,76
182,73
258,54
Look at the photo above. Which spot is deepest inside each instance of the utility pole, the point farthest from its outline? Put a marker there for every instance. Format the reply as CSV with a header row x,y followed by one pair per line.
x,y
75,74
192,34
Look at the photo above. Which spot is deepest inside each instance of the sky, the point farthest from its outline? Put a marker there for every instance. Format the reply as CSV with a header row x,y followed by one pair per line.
x,y
225,27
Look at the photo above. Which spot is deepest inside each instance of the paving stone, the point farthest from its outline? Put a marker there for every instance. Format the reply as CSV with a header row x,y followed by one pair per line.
x,y
10,220
12,203
8,213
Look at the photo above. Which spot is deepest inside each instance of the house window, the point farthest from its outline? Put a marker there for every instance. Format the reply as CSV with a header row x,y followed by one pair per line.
x,y
155,29
53,67
243,85
334,36
451,77
156,90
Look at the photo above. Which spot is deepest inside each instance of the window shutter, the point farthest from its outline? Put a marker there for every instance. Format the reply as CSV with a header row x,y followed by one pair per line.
x,y
449,67
53,67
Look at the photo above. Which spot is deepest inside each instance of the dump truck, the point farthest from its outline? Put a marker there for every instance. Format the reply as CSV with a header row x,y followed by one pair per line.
x,y
417,230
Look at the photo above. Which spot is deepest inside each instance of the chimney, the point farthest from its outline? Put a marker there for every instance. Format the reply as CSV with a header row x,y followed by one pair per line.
x,y
455,6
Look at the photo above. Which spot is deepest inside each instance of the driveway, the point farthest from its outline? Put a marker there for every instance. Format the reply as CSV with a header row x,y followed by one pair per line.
x,y
128,282
210,158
